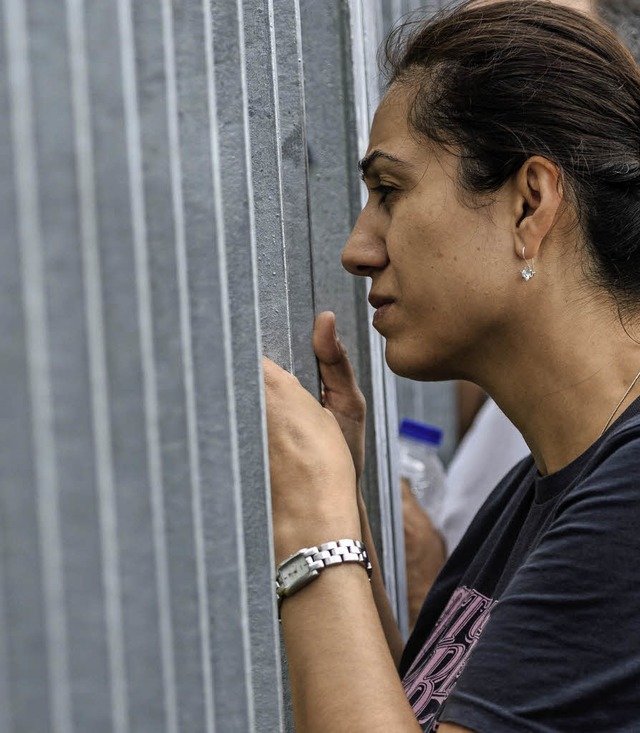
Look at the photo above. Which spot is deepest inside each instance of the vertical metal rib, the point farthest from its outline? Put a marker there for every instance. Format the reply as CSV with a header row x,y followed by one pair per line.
x,y
292,163
236,57
188,369
97,361
6,712
7,454
145,325
273,68
37,338
227,347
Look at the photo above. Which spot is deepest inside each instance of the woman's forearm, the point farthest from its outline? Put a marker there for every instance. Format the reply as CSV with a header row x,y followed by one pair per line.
x,y
343,677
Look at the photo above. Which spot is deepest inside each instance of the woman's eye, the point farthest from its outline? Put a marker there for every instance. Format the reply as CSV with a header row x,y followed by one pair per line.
x,y
383,192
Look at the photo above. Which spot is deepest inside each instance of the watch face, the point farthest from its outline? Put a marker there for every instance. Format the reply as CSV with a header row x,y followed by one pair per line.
x,y
294,574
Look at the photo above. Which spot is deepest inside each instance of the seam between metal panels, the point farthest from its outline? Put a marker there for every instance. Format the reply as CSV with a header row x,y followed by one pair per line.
x,y
278,131
372,36
356,186
395,501
252,220
360,99
97,359
37,341
145,325
228,353
303,109
247,147
187,363
303,117
6,712
254,271
382,445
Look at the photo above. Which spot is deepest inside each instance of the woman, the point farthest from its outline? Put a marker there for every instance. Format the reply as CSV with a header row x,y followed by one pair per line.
x,y
502,237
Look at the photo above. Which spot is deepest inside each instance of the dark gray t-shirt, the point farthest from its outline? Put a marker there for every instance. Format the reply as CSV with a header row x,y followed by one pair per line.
x,y
534,622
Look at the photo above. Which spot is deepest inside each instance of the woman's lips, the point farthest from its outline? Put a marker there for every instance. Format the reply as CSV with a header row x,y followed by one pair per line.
x,y
381,303
380,313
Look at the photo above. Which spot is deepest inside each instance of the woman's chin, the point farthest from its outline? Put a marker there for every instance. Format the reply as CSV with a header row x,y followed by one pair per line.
x,y
419,367
403,364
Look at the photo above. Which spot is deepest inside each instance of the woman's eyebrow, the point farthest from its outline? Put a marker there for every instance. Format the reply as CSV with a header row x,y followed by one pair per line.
x,y
366,162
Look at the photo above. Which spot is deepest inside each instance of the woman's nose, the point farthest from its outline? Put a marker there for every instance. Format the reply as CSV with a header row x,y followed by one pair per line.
x,y
365,250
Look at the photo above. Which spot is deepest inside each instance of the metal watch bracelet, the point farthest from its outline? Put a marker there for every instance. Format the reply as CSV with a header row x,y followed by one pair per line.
x,y
304,566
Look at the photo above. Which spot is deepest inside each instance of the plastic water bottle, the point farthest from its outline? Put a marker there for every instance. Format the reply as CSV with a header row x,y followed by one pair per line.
x,y
421,466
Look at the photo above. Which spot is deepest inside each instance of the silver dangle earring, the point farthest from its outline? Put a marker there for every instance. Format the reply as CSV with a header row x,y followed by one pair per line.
x,y
528,272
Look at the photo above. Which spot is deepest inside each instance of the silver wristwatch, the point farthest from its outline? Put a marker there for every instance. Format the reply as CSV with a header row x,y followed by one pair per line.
x,y
305,565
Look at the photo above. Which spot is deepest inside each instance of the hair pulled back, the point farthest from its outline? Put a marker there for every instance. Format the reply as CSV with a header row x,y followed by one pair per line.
x,y
504,81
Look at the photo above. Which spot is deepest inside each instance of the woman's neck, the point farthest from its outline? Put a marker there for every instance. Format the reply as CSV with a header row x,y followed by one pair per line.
x,y
563,388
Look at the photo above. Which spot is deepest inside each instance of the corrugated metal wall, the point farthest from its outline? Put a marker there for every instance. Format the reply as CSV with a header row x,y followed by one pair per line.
x,y
177,181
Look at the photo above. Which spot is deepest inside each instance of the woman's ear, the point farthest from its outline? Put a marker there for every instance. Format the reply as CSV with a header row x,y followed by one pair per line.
x,y
539,195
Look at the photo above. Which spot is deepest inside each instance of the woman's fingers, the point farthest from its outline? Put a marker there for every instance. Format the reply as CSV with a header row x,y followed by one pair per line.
x,y
274,375
325,339
310,467
341,391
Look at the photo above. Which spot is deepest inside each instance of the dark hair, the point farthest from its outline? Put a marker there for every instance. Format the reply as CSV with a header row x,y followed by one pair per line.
x,y
504,81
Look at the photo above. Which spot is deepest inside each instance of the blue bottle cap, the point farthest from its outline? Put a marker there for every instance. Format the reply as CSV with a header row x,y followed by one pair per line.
x,y
419,431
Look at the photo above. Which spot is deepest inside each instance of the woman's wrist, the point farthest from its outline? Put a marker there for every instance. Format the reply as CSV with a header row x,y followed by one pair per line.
x,y
316,527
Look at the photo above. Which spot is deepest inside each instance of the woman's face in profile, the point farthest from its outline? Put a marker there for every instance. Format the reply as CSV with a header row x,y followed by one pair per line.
x,y
444,268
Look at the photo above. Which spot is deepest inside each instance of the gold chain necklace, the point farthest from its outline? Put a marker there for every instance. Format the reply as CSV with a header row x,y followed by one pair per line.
x,y
617,407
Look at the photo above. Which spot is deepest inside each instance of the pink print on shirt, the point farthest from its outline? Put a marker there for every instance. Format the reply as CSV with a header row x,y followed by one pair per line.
x,y
437,667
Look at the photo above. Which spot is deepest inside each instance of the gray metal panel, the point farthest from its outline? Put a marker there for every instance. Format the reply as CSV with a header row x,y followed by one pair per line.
x,y
397,11
429,7
150,652
75,361
25,637
157,157
278,174
624,18
295,208
238,57
238,54
265,138
173,286
123,389
16,475
392,10
108,350
334,188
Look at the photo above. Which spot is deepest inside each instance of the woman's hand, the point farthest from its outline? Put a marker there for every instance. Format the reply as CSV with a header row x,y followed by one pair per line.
x,y
334,624
341,394
425,552
313,482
